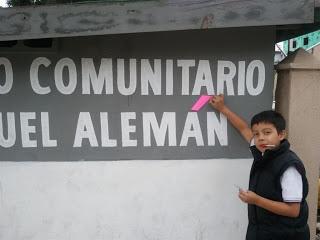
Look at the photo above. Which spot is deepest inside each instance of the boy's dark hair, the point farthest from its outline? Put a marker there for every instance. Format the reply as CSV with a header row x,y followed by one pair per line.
x,y
275,118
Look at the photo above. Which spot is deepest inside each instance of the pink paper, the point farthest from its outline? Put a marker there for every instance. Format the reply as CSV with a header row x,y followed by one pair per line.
x,y
202,100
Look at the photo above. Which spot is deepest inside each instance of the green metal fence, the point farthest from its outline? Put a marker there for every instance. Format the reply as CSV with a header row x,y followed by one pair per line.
x,y
306,41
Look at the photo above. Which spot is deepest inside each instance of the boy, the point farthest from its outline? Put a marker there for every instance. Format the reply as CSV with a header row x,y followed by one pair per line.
x,y
278,186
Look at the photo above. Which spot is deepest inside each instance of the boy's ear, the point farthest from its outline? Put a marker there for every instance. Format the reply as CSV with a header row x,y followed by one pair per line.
x,y
282,134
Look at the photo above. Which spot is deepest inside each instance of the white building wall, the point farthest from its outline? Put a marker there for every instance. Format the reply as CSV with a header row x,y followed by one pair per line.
x,y
136,200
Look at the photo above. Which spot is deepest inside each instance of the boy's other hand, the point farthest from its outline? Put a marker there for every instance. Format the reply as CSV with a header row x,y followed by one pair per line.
x,y
217,102
248,196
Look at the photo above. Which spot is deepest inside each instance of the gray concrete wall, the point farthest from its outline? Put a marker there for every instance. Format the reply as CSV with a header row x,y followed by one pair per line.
x,y
75,104
44,195
148,16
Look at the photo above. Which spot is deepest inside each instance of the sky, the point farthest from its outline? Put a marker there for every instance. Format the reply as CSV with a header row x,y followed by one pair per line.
x,y
3,3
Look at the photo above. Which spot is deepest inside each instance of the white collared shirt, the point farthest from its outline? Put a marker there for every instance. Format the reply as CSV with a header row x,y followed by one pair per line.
x,y
291,184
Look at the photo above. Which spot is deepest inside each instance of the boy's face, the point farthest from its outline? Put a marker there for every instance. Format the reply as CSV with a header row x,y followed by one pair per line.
x,y
266,136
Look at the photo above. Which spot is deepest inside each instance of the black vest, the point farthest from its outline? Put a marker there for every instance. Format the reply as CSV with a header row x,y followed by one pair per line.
x,y
265,181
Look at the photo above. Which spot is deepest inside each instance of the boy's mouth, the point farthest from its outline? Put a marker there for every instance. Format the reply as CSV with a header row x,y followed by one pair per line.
x,y
267,145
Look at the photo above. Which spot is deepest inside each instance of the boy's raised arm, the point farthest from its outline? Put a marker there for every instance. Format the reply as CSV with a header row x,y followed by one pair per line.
x,y
217,102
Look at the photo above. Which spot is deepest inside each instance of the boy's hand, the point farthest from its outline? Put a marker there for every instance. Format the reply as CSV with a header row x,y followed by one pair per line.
x,y
248,197
281,208
217,102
